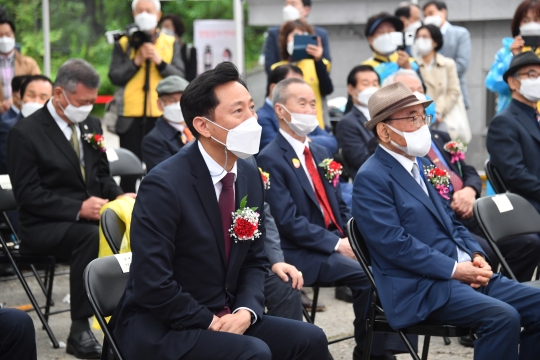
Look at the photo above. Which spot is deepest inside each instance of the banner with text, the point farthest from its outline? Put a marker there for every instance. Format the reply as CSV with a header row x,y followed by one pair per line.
x,y
215,43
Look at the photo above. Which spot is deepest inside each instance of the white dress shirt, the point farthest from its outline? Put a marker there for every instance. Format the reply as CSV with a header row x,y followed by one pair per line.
x,y
217,173
178,126
364,110
408,165
16,109
66,130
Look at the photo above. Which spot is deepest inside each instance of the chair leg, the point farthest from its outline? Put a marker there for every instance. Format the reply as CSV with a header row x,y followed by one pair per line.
x,y
42,284
50,280
408,344
369,333
447,340
306,315
314,303
425,350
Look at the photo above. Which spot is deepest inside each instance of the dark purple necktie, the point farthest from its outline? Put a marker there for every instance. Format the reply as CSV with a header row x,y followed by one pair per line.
x,y
226,208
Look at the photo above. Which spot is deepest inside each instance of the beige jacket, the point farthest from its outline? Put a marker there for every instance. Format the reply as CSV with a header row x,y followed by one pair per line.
x,y
442,82
24,65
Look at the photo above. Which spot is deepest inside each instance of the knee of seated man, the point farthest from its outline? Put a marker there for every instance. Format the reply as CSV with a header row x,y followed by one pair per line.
x,y
20,324
254,348
504,315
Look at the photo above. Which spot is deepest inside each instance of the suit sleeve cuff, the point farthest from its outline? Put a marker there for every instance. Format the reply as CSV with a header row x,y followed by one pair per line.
x,y
209,326
253,315
453,271
337,245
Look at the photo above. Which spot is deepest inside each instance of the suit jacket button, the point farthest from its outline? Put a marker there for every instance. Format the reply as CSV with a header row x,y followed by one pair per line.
x,y
227,286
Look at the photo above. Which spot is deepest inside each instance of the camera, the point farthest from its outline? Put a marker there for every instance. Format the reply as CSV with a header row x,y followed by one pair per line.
x,y
135,36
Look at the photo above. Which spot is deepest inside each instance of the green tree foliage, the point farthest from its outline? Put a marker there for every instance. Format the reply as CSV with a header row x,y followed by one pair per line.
x,y
78,27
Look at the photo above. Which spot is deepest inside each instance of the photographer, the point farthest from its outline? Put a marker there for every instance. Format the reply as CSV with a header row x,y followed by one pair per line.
x,y
140,60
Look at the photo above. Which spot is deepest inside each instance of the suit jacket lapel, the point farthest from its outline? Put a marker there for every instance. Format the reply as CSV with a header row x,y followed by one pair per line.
x,y
328,187
240,190
299,171
207,195
526,121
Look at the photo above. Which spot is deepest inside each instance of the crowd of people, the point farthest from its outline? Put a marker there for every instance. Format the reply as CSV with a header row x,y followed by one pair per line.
x,y
200,277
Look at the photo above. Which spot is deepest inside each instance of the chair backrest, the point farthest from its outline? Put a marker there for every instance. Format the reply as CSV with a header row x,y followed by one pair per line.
x,y
360,250
123,162
113,229
494,178
105,280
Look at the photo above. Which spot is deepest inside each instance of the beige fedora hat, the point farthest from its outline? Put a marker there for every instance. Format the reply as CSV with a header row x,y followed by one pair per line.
x,y
389,100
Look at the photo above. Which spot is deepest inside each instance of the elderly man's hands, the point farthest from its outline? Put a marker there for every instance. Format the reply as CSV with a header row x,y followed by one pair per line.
x,y
476,273
463,201
281,269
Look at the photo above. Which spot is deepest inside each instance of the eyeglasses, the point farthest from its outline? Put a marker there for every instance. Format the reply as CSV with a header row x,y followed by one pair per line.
x,y
531,74
416,120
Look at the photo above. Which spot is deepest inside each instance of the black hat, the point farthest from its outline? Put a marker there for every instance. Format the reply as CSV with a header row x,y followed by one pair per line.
x,y
519,61
376,20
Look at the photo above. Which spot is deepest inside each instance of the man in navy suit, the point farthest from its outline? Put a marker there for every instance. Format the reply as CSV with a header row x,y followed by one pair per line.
x,y
513,138
308,208
426,264
194,290
267,117
11,115
293,10
170,133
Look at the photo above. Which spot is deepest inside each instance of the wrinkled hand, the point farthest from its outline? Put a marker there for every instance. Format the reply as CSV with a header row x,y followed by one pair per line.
x,y
6,104
463,202
281,269
90,208
517,46
236,323
475,273
345,249
131,195
147,51
315,51
403,60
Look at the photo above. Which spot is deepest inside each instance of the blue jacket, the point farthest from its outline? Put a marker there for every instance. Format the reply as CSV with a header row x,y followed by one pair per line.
x,y
305,241
411,238
494,79
272,53
162,142
513,142
179,277
270,128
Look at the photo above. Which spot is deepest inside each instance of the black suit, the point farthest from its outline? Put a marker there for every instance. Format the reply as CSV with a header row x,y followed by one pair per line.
x,y
49,189
179,278
162,142
353,138
522,253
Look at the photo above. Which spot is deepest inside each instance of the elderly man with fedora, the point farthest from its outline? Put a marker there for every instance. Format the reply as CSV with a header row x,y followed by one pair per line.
x,y
170,133
426,264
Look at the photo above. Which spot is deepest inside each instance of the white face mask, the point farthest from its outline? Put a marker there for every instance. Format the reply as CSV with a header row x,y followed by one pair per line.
x,y
530,29
413,27
29,108
418,142
301,124
290,13
530,89
383,44
433,20
173,113
290,47
6,44
244,140
168,32
364,95
76,114
423,46
146,21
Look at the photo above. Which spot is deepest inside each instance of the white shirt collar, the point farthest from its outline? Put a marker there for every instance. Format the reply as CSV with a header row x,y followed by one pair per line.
x,y
62,124
178,126
364,110
445,27
404,161
16,109
269,102
297,146
216,170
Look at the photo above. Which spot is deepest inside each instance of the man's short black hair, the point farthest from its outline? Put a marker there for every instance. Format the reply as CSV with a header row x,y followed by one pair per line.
x,y
32,78
351,78
438,4
404,11
306,2
5,20
199,98
435,33
17,82
280,73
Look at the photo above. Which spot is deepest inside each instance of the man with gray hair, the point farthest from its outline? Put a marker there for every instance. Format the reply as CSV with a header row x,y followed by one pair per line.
x,y
60,177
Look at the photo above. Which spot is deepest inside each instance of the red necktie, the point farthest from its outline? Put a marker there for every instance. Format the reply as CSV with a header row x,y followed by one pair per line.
x,y
319,190
226,208
455,180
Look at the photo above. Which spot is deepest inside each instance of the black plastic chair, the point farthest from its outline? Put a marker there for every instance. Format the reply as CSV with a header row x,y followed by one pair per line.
x,y
105,282
127,163
494,178
9,244
522,219
377,322
113,229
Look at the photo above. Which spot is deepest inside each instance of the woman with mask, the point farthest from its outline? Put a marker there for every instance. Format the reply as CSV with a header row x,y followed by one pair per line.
x,y
526,22
173,25
442,83
316,70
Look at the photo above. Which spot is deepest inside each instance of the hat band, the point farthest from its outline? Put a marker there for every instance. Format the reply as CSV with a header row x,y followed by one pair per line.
x,y
398,105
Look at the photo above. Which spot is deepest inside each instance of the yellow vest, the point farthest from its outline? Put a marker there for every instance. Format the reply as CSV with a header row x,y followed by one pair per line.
x,y
310,76
377,59
133,91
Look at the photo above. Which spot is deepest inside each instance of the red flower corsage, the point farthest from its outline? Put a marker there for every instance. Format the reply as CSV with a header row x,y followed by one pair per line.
x,y
96,140
245,225
333,170
265,178
440,180
457,149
